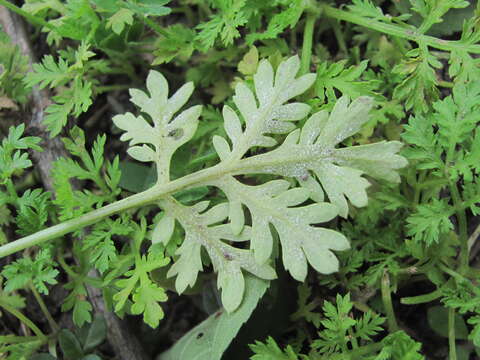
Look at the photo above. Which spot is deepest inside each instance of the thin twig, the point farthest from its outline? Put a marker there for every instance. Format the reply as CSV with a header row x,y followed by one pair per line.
x,y
473,246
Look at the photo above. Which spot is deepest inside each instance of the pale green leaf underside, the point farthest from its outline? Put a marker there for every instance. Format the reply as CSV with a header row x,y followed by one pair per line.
x,y
311,155
265,111
227,260
161,136
271,203
311,152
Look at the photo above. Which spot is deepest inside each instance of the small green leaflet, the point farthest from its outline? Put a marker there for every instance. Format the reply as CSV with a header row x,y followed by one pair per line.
x,y
347,80
77,300
271,351
137,284
75,98
39,272
223,24
419,87
12,158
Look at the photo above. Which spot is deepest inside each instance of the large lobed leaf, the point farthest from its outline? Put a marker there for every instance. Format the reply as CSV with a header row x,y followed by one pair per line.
x,y
311,155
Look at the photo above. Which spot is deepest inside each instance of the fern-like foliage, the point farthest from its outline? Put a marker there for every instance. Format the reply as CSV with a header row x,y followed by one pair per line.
x,y
343,336
310,155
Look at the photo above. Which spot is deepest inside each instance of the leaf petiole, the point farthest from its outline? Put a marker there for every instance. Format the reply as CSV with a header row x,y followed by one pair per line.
x,y
411,34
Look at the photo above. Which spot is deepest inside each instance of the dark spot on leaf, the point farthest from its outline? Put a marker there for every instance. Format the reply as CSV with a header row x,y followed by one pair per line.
x,y
304,177
199,335
176,133
228,256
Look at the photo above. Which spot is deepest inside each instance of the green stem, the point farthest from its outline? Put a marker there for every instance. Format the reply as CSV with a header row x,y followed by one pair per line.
x,y
473,238
11,190
362,306
26,15
400,45
53,324
102,89
421,299
445,84
358,353
451,335
462,227
307,43
153,25
421,178
77,223
249,165
387,302
409,33
339,36
14,339
64,265
22,318
431,183
146,197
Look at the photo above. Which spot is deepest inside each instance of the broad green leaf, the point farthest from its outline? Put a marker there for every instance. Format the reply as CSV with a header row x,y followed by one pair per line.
x,y
71,348
43,356
209,339
91,357
136,177
93,334
437,317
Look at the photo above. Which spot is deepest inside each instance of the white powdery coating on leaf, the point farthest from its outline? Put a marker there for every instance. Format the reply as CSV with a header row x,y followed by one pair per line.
x,y
270,115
